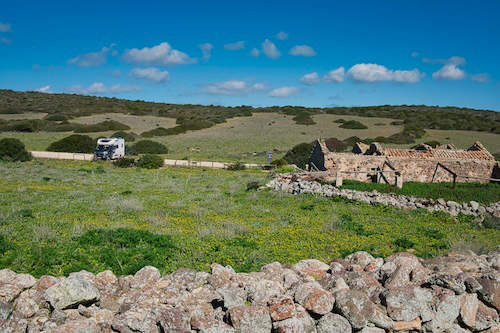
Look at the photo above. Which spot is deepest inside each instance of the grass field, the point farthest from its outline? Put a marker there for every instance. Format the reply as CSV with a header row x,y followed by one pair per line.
x,y
59,216
249,138
464,192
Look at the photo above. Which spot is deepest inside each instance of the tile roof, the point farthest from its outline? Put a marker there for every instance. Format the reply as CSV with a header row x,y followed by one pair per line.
x,y
444,154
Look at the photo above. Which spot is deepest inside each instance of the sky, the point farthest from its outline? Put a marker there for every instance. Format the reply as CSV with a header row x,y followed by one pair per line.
x,y
259,53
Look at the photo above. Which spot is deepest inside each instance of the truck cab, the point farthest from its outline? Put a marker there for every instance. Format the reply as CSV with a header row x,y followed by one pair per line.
x,y
109,148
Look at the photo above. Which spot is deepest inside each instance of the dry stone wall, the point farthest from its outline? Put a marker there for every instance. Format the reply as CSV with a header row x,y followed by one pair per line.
x,y
411,169
455,293
297,184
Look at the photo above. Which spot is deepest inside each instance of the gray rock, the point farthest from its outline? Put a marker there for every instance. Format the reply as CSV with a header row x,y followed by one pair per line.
x,y
250,319
71,292
333,323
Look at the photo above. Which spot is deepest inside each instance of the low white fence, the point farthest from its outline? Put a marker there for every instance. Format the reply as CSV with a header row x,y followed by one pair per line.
x,y
167,162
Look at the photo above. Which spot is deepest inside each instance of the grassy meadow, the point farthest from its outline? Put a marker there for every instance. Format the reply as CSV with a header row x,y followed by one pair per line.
x,y
249,138
62,216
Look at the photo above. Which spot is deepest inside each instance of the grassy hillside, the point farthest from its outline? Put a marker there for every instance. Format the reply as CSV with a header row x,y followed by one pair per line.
x,y
58,217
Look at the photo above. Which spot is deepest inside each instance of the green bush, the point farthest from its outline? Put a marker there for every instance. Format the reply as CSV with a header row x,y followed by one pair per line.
x,y
56,117
74,144
334,144
150,161
352,140
353,124
236,166
149,147
124,162
281,162
253,185
433,143
13,150
303,118
127,136
299,155
159,131
340,121
103,126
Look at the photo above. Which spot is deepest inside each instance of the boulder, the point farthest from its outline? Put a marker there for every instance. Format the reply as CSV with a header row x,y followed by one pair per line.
x,y
144,276
486,317
333,323
281,309
407,304
312,267
71,292
300,323
314,298
250,319
469,305
490,292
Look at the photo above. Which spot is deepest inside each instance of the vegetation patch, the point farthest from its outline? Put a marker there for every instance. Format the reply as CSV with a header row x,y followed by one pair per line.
x,y
75,143
124,162
353,124
150,161
149,147
103,126
299,155
121,134
13,150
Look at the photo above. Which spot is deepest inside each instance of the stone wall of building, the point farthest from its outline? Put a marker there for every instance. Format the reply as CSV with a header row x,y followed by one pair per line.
x,y
411,169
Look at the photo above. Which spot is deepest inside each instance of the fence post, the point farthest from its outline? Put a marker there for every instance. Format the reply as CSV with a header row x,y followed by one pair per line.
x,y
338,180
399,180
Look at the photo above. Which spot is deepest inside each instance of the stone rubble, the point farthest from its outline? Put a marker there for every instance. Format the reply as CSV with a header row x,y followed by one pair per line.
x,y
296,184
453,293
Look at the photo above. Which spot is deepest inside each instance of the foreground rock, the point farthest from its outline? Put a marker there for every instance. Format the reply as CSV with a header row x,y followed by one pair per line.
x,y
457,292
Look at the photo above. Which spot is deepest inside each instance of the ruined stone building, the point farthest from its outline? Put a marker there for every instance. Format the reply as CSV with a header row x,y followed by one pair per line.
x,y
421,164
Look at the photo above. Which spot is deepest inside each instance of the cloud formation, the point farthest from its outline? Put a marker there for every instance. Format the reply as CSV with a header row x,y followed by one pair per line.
x,y
335,75
5,40
235,46
282,35
302,50
233,88
151,74
4,27
370,73
44,89
480,77
283,92
206,48
450,69
99,88
310,79
255,53
160,55
91,59
270,49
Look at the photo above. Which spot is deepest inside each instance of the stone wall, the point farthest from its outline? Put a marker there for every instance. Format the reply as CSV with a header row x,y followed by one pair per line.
x,y
411,169
455,293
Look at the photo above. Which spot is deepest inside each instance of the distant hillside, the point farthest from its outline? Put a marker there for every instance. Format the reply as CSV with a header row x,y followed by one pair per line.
x,y
192,117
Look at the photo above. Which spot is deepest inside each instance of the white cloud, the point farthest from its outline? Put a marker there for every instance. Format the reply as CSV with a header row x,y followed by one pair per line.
x,y
310,79
99,88
91,59
302,50
373,73
151,73
233,88
282,35
284,92
5,40
235,46
414,54
44,89
450,69
270,50
161,55
206,48
4,27
481,77
335,75
254,52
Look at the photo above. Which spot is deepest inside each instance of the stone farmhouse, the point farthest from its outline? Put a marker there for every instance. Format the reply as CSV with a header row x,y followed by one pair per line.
x,y
375,163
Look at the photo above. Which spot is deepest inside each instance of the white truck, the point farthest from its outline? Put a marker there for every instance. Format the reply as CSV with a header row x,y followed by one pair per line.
x,y
109,149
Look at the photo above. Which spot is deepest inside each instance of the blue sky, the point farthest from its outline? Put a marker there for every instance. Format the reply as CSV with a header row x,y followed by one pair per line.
x,y
261,53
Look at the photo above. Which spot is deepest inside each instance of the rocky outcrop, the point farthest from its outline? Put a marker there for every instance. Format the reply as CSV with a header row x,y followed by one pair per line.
x,y
457,292
297,184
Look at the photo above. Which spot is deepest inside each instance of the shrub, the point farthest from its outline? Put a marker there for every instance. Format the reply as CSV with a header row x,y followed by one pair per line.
x,y
303,118
433,143
352,140
124,162
299,155
150,161
149,147
353,124
159,131
340,121
74,144
56,117
103,126
236,166
253,185
127,136
334,144
281,162
13,150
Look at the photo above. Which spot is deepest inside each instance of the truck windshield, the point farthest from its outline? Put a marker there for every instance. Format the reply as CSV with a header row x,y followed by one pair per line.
x,y
102,148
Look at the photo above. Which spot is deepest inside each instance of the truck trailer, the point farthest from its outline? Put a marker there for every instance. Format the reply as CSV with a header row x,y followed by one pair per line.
x,y
109,149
